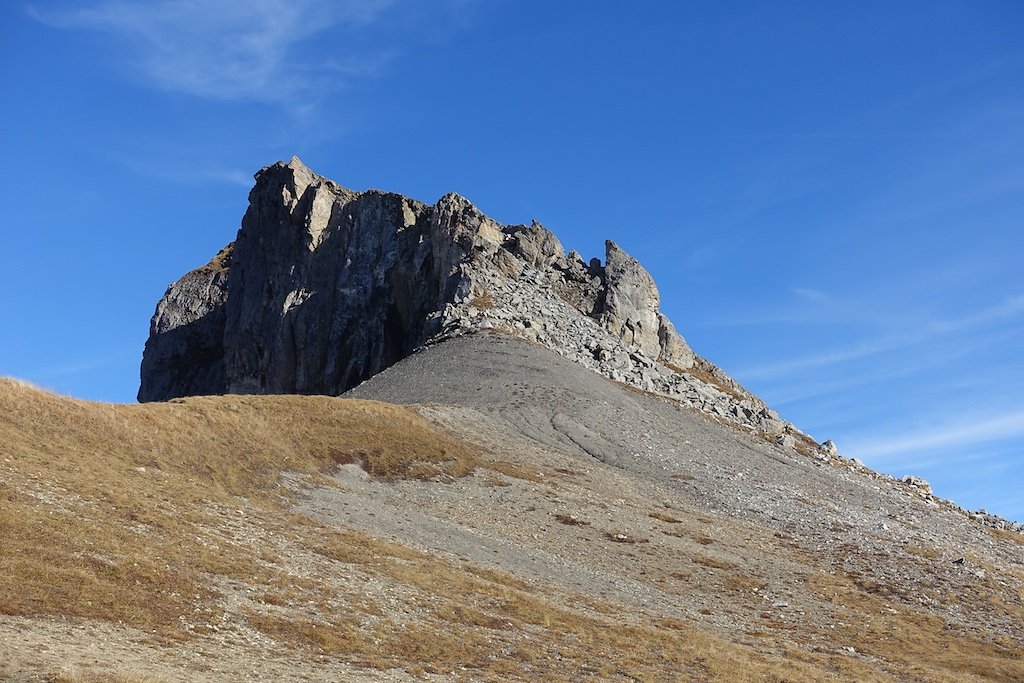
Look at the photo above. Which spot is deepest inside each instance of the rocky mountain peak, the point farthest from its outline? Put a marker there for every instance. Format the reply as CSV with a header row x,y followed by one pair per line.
x,y
325,287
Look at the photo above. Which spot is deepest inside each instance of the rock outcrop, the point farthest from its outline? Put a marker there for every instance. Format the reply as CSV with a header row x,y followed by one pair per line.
x,y
324,287
185,351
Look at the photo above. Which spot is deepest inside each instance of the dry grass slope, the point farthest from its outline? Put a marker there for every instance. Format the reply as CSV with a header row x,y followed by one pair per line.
x,y
90,677
123,514
126,482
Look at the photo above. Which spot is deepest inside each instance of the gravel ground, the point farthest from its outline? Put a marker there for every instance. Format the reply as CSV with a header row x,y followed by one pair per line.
x,y
634,454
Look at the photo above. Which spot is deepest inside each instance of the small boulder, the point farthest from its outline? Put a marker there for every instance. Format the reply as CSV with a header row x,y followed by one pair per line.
x,y
534,244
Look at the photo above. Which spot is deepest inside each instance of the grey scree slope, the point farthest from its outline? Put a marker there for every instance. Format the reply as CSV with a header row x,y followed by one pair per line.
x,y
631,448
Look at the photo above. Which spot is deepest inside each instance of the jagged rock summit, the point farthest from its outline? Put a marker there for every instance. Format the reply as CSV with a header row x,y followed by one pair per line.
x,y
324,287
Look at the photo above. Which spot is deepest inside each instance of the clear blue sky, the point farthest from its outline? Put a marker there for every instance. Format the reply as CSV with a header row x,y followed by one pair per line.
x,y
829,194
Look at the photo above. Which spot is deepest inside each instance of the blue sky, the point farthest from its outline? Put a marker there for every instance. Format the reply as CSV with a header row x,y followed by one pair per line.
x,y
829,195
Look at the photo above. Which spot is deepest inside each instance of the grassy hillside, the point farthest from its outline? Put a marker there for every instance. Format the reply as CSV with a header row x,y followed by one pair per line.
x,y
175,521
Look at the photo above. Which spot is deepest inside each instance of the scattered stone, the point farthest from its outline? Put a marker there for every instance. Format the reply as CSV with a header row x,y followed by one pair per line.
x,y
918,483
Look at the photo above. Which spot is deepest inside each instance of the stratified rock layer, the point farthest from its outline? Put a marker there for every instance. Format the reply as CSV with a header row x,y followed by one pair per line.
x,y
325,287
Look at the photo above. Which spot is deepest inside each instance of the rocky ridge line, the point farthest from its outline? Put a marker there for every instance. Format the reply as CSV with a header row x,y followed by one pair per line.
x,y
325,287
538,304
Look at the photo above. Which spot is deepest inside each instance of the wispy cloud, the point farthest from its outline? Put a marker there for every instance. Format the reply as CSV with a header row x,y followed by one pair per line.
x,y
827,358
1009,308
231,177
182,166
802,390
52,372
232,50
703,256
963,432
812,295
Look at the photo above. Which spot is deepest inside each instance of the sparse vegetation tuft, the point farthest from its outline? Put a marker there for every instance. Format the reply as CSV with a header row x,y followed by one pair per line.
x,y
1004,535
664,517
512,470
712,562
483,301
76,676
926,553
570,520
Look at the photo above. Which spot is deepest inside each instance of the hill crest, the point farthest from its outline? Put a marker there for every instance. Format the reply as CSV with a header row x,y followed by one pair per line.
x,y
324,287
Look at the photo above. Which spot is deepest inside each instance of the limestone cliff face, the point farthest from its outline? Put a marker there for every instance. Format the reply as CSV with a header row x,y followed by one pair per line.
x,y
324,287
329,286
185,351
631,310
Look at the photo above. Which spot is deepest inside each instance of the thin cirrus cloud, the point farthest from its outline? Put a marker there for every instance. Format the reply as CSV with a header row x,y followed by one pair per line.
x,y
231,50
234,177
965,432
1009,308
53,372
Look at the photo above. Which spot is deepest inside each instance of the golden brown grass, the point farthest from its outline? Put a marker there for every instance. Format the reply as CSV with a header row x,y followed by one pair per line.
x,y
101,677
921,645
115,496
484,616
483,301
926,553
1004,535
740,581
712,562
330,637
513,470
498,627
570,520
664,517
805,445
